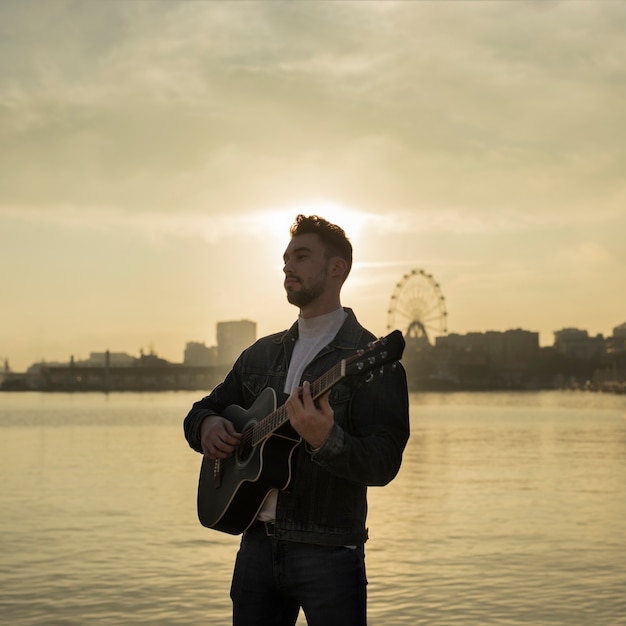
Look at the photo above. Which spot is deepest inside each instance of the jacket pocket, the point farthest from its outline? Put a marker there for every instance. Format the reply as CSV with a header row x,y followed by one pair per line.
x,y
253,385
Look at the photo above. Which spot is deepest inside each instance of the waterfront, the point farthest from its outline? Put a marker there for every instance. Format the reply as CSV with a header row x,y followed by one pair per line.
x,y
510,509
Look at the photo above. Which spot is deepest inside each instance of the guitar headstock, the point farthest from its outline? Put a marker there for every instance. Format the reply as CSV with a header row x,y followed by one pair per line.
x,y
378,353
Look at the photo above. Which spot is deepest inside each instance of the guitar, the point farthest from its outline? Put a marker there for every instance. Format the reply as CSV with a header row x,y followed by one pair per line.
x,y
232,491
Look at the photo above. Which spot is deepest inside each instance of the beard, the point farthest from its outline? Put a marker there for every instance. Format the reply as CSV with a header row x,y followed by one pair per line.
x,y
305,295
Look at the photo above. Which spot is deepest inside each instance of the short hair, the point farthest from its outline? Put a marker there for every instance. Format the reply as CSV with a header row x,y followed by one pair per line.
x,y
333,237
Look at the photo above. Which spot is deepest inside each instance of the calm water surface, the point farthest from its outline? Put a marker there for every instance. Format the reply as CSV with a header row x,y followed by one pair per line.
x,y
510,509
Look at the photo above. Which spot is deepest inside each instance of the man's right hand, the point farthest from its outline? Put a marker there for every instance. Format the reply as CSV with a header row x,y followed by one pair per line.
x,y
218,437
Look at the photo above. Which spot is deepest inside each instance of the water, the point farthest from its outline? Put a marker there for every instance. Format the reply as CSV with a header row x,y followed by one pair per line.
x,y
510,509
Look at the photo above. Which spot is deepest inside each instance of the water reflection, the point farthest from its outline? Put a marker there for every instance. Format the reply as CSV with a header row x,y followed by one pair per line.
x,y
509,509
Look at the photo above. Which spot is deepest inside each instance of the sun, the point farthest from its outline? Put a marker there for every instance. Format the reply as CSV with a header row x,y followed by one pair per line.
x,y
270,227
278,221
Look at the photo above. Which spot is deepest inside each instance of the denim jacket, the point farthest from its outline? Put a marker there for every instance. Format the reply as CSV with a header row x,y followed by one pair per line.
x,y
326,500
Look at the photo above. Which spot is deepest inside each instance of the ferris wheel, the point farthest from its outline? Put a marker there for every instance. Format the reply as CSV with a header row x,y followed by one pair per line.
x,y
418,308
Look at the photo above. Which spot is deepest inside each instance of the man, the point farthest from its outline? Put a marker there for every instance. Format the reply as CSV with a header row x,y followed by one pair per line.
x,y
306,547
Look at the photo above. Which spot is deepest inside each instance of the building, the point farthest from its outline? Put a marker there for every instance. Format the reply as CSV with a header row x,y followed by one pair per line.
x,y
508,347
577,344
115,359
233,338
489,360
199,355
617,343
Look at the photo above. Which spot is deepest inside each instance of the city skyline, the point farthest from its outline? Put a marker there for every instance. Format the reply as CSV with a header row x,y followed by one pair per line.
x,y
155,154
98,353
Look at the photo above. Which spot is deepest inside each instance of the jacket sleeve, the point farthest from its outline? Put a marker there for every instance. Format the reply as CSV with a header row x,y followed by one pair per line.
x,y
226,393
368,448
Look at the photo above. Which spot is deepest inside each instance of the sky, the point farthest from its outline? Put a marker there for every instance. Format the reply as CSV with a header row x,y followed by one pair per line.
x,y
153,155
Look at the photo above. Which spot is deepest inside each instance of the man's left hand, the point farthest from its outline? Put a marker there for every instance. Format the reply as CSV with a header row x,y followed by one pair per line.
x,y
313,423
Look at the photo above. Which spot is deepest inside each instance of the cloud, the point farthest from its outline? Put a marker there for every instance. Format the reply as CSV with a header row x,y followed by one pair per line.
x,y
499,110
588,258
154,227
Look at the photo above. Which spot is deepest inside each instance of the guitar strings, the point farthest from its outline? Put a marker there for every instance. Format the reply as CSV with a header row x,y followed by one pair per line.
x,y
271,422
266,426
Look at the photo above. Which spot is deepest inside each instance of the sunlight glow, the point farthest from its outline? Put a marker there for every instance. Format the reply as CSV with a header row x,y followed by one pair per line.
x,y
279,221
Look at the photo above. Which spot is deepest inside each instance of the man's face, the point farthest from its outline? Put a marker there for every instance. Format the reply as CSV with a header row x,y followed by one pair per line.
x,y
306,269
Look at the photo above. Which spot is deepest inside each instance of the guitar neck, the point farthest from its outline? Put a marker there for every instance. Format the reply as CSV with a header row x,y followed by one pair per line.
x,y
272,422
385,350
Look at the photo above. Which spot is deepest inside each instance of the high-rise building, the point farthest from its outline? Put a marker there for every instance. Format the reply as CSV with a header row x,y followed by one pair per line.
x,y
233,338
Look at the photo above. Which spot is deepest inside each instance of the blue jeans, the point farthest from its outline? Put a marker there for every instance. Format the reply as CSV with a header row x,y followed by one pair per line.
x,y
273,578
